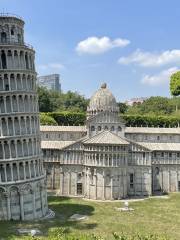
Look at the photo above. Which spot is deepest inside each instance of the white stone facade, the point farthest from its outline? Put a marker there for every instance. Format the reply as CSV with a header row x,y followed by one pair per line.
x,y
110,161
22,176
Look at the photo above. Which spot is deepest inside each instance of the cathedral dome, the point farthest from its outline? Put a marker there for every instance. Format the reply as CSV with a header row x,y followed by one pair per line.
x,y
102,100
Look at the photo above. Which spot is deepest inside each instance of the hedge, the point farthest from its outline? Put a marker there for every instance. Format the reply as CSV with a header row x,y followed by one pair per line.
x,y
151,121
47,120
75,118
68,118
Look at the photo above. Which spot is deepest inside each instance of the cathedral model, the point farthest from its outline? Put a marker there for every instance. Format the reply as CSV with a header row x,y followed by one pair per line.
x,y
106,160
22,177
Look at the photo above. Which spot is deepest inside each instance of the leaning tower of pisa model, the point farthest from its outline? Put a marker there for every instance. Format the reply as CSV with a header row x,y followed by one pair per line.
x,y
22,177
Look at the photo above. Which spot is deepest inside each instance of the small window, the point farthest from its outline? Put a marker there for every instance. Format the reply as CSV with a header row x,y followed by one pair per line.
x,y
157,171
47,135
79,188
131,180
144,155
12,32
99,128
7,87
158,138
170,155
119,129
178,155
106,128
112,128
92,128
131,177
162,154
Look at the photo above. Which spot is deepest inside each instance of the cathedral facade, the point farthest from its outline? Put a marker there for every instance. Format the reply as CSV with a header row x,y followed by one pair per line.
x,y
106,160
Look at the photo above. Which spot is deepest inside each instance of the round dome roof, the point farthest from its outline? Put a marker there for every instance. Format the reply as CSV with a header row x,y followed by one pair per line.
x,y
103,100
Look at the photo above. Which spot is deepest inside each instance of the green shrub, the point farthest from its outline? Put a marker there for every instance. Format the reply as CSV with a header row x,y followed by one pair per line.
x,y
68,118
151,121
47,120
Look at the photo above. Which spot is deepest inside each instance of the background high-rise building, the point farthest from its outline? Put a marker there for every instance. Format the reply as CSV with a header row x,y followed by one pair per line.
x,y
22,176
51,82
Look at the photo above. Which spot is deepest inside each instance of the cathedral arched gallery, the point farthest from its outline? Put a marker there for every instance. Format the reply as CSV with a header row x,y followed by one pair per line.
x,y
106,160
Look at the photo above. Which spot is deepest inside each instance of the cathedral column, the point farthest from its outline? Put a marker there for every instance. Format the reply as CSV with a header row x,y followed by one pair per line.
x,y
8,205
21,204
103,196
111,187
95,174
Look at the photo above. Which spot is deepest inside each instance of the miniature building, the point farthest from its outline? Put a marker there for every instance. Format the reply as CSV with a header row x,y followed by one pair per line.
x,y
22,176
51,82
106,160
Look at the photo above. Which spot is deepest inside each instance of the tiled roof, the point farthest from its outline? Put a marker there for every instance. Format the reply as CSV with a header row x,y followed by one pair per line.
x,y
106,137
127,129
161,146
55,144
152,130
63,128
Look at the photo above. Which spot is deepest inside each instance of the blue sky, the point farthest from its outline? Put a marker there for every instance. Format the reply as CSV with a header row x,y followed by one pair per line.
x,y
133,45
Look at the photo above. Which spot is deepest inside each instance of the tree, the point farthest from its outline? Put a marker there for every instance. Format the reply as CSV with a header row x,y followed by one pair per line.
x,y
51,101
122,107
154,106
47,120
44,100
175,85
74,101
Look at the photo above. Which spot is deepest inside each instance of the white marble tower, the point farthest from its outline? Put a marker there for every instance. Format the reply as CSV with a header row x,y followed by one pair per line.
x,y
22,177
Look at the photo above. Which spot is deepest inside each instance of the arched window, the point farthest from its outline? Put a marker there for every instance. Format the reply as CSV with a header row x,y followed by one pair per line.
x,y
12,31
112,128
119,128
158,138
3,60
92,128
3,37
27,62
106,128
99,128
19,38
157,171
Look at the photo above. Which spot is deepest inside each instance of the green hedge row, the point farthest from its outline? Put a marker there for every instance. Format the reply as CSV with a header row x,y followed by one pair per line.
x,y
151,121
68,118
75,118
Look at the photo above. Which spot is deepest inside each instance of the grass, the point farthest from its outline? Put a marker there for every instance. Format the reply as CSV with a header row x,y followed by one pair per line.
x,y
157,216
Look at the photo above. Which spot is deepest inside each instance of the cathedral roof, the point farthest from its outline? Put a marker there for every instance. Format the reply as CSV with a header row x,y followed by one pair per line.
x,y
63,128
55,144
161,146
152,130
103,100
106,137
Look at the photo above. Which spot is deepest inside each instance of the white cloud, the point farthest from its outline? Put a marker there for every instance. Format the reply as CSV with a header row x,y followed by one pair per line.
x,y
95,45
51,66
160,78
148,59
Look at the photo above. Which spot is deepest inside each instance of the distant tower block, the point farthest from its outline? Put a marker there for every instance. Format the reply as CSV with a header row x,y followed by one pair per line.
x,y
22,177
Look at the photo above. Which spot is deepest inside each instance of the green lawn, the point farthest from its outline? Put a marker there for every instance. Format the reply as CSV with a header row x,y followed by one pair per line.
x,y
158,216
